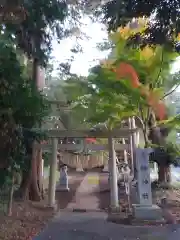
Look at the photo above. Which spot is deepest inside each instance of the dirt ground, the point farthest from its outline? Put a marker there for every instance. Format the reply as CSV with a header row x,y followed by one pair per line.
x,y
29,218
26,221
171,205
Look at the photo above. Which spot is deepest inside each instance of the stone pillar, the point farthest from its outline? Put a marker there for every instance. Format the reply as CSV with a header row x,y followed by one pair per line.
x,y
134,135
143,175
145,209
52,175
137,138
131,142
114,201
42,168
125,152
155,167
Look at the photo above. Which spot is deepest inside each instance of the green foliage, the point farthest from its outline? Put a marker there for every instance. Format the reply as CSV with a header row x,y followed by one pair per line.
x,y
34,34
152,64
166,155
67,91
173,122
22,106
19,95
105,98
163,24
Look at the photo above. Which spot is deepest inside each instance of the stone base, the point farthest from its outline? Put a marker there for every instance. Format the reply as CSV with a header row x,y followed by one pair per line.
x,y
152,212
114,210
45,206
105,169
62,189
53,207
79,170
140,222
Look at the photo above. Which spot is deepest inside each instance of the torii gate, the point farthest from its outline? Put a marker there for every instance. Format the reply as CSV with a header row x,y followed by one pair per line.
x,y
111,147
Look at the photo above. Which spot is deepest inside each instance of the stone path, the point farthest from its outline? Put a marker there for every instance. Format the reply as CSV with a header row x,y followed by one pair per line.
x,y
92,225
86,197
64,198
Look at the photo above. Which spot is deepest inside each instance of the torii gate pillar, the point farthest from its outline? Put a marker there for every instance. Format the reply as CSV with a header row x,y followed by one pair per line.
x,y
114,200
52,175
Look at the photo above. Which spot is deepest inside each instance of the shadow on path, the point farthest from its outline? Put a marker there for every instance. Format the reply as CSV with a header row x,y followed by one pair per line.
x,y
64,198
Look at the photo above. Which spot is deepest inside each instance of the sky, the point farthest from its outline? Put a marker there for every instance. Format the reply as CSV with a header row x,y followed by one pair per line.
x,y
91,55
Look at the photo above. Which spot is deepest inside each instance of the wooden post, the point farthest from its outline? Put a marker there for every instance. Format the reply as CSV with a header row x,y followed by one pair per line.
x,y
114,201
52,176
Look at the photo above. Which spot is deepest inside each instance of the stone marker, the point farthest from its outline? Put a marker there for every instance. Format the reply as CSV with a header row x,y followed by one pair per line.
x,y
143,176
145,209
63,181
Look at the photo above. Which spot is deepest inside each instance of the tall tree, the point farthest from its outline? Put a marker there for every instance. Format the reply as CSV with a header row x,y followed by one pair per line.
x,y
17,113
112,97
33,35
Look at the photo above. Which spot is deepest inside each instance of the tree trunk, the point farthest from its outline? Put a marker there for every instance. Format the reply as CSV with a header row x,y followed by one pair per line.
x,y
10,200
40,172
164,174
161,174
35,189
145,134
168,174
30,186
23,191
35,72
35,194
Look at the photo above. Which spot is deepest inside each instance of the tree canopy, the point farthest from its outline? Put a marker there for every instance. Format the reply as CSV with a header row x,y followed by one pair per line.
x,y
107,94
34,33
110,99
163,19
